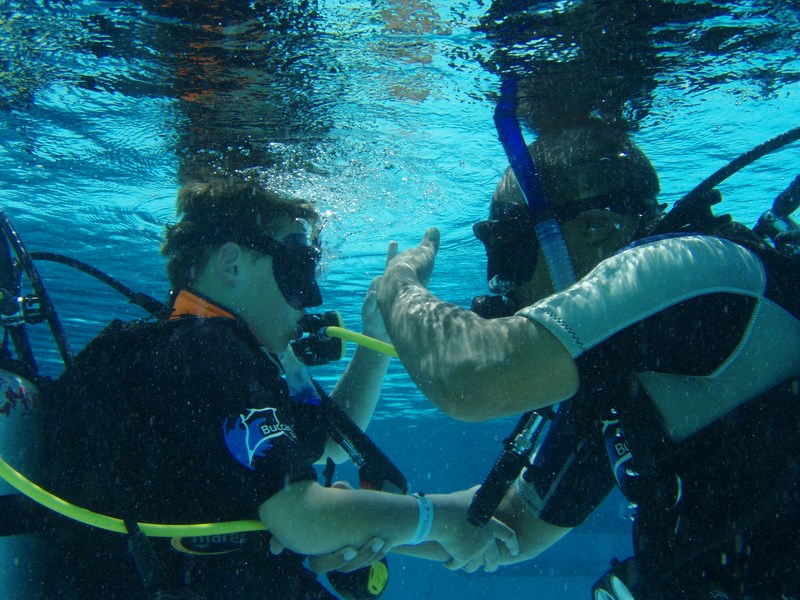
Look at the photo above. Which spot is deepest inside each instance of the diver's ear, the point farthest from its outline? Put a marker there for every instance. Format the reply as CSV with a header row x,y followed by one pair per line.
x,y
227,260
601,226
628,227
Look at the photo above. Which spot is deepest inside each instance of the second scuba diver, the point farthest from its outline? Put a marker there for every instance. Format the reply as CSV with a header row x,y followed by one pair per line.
x,y
207,416
676,359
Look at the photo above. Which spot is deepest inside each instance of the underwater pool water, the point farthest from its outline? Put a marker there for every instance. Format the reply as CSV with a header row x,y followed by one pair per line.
x,y
381,112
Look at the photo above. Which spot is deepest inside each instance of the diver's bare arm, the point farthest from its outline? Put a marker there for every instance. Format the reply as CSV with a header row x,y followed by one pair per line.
x,y
471,368
358,390
534,535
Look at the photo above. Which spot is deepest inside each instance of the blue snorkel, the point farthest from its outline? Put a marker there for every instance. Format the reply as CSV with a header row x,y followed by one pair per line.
x,y
518,447
547,230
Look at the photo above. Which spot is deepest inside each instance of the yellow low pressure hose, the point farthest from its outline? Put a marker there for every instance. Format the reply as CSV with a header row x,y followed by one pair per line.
x,y
361,340
25,486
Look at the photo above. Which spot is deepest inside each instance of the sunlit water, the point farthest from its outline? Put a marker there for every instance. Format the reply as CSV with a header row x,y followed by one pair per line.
x,y
381,113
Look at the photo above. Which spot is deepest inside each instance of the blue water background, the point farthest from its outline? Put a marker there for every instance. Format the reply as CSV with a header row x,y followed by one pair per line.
x,y
394,133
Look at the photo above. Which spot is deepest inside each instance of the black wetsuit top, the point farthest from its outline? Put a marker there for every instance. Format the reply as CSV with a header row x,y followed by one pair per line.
x,y
686,354
186,421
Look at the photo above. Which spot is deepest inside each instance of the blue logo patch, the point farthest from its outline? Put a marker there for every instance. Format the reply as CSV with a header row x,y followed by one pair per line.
x,y
248,436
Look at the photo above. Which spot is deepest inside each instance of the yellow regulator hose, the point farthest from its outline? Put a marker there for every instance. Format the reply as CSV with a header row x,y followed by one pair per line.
x,y
25,486
361,340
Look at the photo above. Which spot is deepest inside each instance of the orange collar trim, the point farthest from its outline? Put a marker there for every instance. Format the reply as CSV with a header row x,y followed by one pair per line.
x,y
189,304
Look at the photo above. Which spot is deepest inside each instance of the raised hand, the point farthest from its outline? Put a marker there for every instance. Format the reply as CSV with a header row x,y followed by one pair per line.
x,y
419,260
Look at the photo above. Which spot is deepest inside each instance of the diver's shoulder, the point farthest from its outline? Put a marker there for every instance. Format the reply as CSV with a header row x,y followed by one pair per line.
x,y
676,240
166,339
693,249
674,267
211,334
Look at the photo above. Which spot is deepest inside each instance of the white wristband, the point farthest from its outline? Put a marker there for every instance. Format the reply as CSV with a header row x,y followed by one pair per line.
x,y
425,523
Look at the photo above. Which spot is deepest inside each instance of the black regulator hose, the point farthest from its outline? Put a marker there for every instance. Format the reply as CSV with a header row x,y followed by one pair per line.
x,y
148,303
487,499
9,290
701,196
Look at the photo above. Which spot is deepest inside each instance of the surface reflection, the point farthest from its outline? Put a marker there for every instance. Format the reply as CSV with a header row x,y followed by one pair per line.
x,y
250,78
601,59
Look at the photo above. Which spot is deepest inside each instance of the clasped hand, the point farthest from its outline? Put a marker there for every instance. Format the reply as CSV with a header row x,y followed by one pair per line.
x,y
459,545
471,548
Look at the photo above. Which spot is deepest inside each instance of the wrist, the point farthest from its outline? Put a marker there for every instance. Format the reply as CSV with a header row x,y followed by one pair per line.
x,y
425,512
397,278
449,516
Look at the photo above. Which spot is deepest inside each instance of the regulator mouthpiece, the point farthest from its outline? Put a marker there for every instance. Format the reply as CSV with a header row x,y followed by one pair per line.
x,y
316,347
491,306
